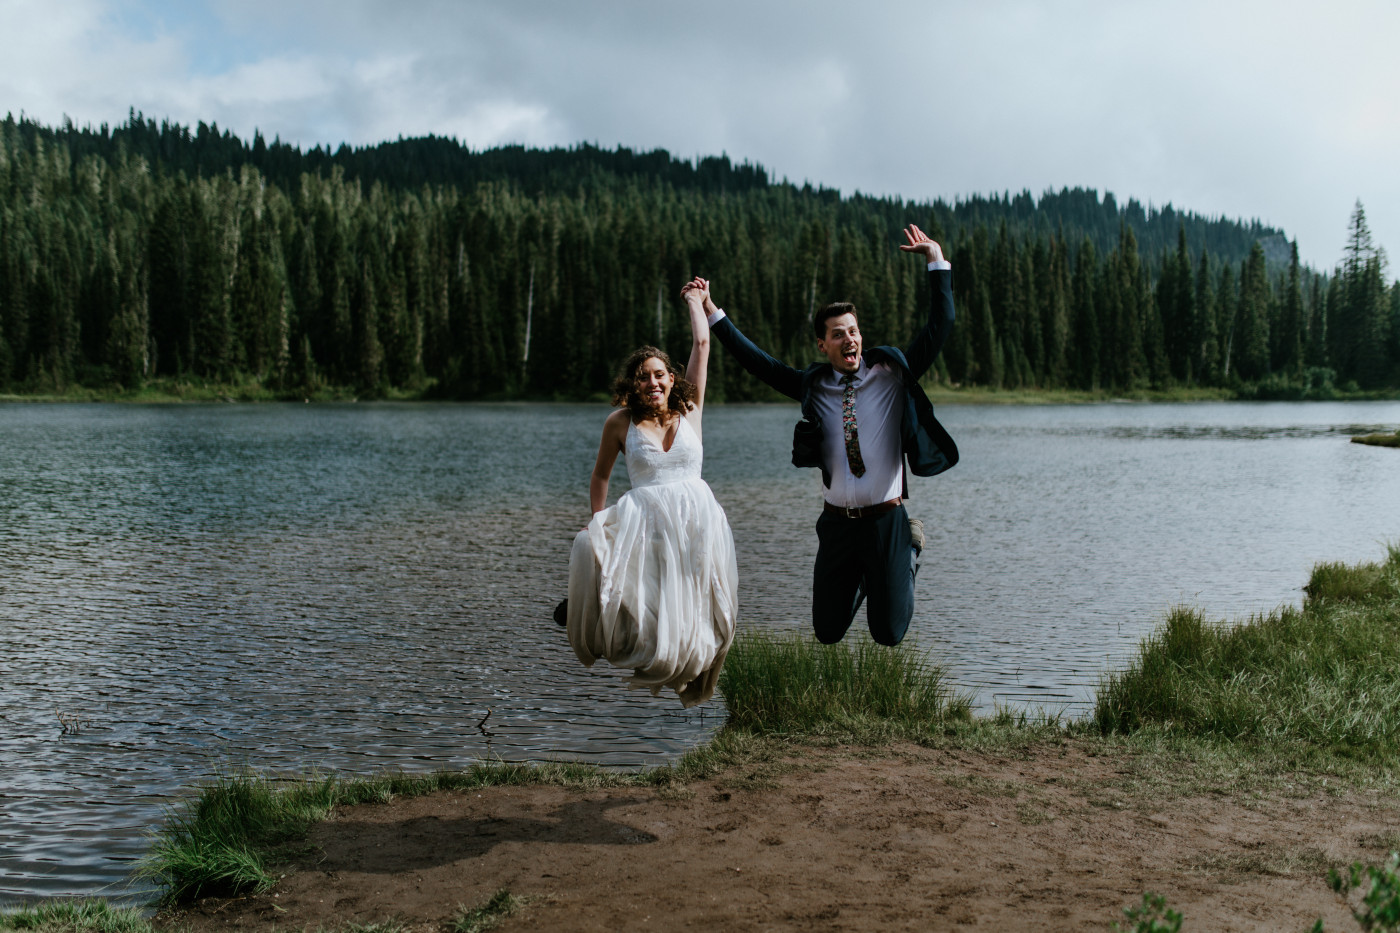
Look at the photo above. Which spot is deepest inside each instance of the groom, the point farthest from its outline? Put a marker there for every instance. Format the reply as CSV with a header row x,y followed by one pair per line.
x,y
863,414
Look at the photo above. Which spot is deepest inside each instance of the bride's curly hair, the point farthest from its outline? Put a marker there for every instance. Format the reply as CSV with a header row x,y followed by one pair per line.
x,y
624,388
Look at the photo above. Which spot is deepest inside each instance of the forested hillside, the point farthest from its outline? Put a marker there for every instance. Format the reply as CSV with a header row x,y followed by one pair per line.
x,y
151,252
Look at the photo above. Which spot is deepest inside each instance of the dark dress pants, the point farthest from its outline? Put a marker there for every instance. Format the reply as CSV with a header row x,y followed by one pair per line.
x,y
876,551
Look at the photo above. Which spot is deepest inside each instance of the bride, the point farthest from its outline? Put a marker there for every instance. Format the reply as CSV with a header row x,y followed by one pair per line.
x,y
652,580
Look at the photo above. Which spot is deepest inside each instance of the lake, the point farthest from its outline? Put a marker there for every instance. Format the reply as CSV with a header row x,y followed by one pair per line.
x,y
365,587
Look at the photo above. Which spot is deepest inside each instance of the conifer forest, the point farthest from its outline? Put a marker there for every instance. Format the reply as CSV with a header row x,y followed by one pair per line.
x,y
150,252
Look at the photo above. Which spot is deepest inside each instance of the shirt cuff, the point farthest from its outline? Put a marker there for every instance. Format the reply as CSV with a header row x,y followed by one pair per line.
x,y
939,264
714,319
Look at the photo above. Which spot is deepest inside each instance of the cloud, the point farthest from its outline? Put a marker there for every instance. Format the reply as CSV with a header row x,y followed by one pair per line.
x,y
1280,111
71,58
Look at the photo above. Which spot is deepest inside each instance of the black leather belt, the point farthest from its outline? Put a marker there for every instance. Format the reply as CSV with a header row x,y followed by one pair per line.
x,y
862,511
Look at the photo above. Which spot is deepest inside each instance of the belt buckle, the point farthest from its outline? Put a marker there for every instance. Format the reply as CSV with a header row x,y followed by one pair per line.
x,y
851,512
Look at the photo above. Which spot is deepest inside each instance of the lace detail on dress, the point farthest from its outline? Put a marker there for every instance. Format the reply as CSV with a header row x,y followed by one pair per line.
x,y
649,465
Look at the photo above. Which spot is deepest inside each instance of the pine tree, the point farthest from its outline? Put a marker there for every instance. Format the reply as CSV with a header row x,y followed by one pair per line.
x,y
1316,355
1288,347
1056,310
988,360
1358,329
1085,343
1205,351
1252,351
1176,304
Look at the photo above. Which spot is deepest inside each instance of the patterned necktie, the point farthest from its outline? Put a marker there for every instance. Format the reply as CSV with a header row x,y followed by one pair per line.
x,y
848,425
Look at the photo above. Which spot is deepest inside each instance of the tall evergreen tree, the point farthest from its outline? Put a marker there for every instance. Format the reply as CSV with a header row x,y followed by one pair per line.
x,y
1252,347
1085,343
1316,354
1288,346
1205,357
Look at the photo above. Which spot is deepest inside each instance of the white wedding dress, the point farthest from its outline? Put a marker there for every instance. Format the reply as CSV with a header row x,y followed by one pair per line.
x,y
653,583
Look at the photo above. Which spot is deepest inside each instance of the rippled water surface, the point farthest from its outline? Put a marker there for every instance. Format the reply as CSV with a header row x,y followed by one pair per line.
x,y
355,587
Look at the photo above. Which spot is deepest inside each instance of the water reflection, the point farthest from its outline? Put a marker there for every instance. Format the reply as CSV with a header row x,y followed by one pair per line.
x,y
355,587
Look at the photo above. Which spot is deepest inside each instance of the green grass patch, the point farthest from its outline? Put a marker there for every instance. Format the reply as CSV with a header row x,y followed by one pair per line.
x,y
1327,674
488,916
1380,898
1332,583
1160,763
1153,915
75,916
790,683
1378,440
226,839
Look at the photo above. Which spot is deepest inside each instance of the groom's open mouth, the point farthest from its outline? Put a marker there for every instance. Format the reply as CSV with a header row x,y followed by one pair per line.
x,y
849,355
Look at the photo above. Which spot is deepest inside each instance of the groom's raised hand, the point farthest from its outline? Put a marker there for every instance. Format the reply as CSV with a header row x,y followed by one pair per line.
x,y
919,242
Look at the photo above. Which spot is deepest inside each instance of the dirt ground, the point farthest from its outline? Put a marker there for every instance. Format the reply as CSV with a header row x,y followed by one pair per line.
x,y
902,838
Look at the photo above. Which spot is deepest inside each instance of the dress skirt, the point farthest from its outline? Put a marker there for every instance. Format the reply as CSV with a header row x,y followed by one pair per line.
x,y
653,586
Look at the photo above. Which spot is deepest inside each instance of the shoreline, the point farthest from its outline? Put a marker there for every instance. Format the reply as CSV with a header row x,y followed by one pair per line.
x,y
996,824
1045,832
174,394
1228,769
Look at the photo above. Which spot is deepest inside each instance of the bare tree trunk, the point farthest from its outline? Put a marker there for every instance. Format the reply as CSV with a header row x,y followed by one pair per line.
x,y
529,314
659,287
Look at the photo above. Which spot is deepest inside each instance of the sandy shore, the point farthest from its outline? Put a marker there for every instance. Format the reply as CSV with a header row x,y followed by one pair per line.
x,y
1054,837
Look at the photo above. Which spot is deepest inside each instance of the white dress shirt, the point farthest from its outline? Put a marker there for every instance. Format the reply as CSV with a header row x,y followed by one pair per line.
x,y
879,403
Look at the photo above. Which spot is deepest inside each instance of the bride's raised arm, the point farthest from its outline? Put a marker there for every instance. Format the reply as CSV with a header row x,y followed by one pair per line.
x,y
695,292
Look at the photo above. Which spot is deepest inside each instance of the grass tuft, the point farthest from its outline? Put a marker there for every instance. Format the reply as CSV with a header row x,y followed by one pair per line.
x,y
1151,916
1327,674
75,916
792,684
1356,583
486,917
218,843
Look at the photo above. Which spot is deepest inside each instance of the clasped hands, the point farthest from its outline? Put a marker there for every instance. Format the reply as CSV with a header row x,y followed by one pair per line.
x,y
697,290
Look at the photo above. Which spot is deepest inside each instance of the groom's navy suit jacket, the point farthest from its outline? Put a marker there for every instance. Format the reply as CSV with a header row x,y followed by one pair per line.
x,y
926,445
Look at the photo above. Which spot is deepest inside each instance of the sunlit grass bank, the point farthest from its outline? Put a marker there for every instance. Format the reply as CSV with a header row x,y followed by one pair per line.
x,y
791,683
76,916
1327,674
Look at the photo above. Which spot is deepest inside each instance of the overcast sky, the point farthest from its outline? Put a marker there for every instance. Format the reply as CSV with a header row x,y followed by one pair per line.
x,y
1285,112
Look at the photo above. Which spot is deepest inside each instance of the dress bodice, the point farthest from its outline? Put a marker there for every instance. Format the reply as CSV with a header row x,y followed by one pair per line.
x,y
649,465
